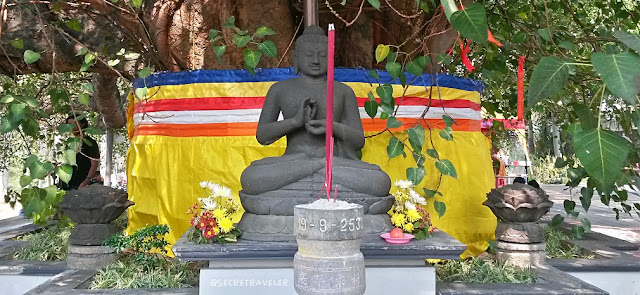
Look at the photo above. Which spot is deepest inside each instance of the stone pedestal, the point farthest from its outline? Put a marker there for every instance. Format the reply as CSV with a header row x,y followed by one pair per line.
x,y
329,260
91,234
90,257
520,244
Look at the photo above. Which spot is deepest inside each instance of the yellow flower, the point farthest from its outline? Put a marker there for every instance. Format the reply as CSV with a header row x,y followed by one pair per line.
x,y
219,213
225,224
397,219
216,230
408,227
413,215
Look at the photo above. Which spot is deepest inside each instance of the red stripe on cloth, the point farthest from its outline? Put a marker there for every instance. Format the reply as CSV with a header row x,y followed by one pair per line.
x,y
239,103
249,129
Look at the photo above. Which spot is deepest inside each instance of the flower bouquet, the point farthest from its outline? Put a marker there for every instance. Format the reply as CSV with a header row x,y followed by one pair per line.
x,y
409,211
211,216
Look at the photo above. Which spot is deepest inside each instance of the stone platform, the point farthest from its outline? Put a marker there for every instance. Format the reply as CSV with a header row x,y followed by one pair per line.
x,y
250,267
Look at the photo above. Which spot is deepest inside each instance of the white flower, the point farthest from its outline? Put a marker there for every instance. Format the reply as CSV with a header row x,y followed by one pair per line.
x,y
204,184
208,203
410,206
405,184
220,191
416,198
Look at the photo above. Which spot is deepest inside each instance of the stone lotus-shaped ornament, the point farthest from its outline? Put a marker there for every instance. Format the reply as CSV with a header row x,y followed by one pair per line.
x,y
518,203
94,204
93,208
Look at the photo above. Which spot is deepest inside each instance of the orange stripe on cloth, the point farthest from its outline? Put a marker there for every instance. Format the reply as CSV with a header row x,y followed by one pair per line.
x,y
249,129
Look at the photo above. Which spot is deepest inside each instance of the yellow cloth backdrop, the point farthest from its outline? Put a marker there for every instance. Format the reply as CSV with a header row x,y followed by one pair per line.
x,y
200,126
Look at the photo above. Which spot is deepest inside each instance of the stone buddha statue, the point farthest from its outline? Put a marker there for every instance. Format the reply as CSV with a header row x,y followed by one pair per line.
x,y
271,187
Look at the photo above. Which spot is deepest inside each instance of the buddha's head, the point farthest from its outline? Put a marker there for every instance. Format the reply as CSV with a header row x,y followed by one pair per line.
x,y
310,55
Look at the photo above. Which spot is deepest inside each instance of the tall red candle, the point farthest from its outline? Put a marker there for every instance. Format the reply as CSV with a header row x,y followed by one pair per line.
x,y
329,124
520,106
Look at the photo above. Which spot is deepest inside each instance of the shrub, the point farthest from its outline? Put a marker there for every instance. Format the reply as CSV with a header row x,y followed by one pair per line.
x,y
482,271
545,171
129,273
49,244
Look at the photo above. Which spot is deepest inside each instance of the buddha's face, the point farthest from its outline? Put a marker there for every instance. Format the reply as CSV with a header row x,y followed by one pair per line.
x,y
312,59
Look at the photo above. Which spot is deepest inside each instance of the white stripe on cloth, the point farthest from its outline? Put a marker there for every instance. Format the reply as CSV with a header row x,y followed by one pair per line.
x,y
252,115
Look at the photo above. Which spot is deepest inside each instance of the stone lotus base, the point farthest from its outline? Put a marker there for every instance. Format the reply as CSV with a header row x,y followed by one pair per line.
x,y
90,257
521,255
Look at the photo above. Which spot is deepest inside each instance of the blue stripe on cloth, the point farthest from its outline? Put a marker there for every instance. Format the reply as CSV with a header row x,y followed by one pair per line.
x,y
278,74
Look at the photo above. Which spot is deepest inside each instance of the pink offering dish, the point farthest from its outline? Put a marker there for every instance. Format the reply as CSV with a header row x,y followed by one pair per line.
x,y
390,240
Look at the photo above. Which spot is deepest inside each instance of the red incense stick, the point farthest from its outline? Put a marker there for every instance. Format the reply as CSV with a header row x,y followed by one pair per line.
x,y
329,124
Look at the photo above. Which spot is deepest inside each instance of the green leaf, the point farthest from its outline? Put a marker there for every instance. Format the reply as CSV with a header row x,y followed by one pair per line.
x,y
74,24
240,32
6,125
385,92
578,232
395,148
446,168
631,40
374,74
241,40
419,235
82,51
394,69
448,121
431,193
548,78
585,199
415,174
69,157
18,43
414,68
566,45
587,119
30,56
449,7
268,48
25,180
84,98
447,134
569,206
30,160
145,72
88,87
39,170
387,108
375,4
416,138
620,72
545,34
264,31
603,154
419,158
392,122
384,115
433,153
586,224
371,107
557,220
141,92
17,112
7,99
423,61
230,22
251,57
30,101
30,127
136,3
213,33
64,172
440,207
382,51
471,22
219,51
89,58
93,131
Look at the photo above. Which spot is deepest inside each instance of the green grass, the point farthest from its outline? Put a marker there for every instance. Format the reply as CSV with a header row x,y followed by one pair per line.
x,y
49,244
482,271
557,246
127,273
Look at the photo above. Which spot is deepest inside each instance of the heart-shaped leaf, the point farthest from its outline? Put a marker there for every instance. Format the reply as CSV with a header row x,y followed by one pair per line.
x,y
39,170
69,157
31,56
440,207
64,172
585,199
382,51
251,57
395,148
25,180
471,22
448,121
371,107
18,43
586,224
268,48
433,153
392,122
393,68
446,168
84,98
219,51
264,31
415,175
620,72
213,33
414,68
145,72
385,92
603,154
74,24
631,40
557,220
17,112
416,138
447,133
374,74
241,40
229,23
548,78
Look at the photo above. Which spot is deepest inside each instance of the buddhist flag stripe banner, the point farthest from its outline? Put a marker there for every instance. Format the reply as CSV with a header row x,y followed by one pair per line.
x,y
201,125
